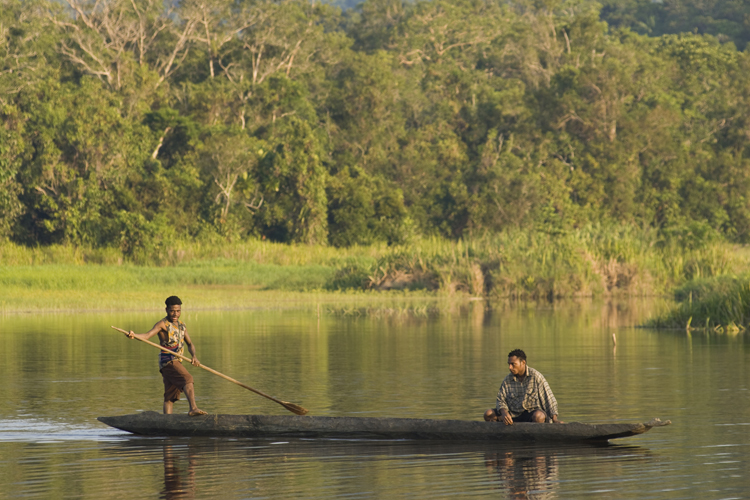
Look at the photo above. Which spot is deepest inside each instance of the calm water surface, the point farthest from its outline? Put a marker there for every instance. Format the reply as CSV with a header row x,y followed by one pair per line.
x,y
59,372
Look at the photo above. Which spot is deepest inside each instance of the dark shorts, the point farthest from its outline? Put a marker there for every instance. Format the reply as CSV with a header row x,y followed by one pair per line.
x,y
523,417
176,377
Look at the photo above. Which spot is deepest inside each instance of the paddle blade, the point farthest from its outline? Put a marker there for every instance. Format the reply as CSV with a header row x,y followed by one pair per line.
x,y
296,409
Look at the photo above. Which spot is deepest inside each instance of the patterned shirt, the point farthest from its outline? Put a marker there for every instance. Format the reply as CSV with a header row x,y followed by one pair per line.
x,y
533,393
175,342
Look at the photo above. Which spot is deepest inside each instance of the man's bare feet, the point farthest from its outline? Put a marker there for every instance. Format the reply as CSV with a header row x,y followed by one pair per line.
x,y
196,412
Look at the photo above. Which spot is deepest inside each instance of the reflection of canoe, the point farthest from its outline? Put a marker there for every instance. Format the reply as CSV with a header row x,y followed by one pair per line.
x,y
292,426
358,448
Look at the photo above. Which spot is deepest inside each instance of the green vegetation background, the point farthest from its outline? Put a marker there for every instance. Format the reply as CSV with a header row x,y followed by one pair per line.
x,y
534,148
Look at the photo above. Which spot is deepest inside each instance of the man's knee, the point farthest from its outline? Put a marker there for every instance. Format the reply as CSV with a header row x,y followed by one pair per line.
x,y
538,416
490,416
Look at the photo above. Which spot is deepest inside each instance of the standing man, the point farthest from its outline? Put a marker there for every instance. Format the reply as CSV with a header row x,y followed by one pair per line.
x,y
524,395
173,335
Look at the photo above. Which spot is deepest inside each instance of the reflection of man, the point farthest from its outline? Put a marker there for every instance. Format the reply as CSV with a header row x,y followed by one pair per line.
x,y
524,395
175,486
525,474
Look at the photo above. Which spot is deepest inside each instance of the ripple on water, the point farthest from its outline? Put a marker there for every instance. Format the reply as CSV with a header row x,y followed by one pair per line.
x,y
35,430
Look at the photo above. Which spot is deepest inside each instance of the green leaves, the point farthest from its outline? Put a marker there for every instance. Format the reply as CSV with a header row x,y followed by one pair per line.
x,y
363,209
291,121
294,181
229,159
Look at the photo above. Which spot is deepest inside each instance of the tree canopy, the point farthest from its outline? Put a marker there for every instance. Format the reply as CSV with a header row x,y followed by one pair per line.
x,y
131,123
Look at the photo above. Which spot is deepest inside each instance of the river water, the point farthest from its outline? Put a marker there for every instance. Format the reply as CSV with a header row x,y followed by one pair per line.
x,y
442,361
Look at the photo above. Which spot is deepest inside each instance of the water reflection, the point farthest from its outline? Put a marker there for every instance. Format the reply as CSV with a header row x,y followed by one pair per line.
x,y
192,466
179,482
58,372
534,472
525,475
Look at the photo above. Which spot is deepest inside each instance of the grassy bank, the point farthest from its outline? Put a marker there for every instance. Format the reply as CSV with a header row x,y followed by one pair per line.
x,y
532,265
720,304
586,262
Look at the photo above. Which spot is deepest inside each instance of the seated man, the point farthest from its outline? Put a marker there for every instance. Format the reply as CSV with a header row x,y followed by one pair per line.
x,y
524,395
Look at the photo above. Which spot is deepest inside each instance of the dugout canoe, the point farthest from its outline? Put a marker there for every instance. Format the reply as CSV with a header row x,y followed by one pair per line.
x,y
292,426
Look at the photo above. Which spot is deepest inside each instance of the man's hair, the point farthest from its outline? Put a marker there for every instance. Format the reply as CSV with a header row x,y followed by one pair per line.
x,y
517,353
174,300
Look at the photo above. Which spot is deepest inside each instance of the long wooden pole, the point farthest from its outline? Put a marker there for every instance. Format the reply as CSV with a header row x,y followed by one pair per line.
x,y
294,408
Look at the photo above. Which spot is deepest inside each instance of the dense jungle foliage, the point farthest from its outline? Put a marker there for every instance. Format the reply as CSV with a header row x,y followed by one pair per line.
x,y
132,124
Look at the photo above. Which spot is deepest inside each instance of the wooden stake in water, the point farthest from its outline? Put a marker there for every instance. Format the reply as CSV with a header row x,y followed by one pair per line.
x,y
294,408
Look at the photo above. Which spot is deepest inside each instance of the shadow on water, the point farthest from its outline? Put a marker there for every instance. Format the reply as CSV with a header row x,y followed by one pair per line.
x,y
516,471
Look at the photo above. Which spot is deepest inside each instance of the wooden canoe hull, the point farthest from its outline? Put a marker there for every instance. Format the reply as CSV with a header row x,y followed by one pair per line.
x,y
293,426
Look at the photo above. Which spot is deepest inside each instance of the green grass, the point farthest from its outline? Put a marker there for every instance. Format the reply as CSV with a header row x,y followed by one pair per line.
x,y
716,304
256,251
209,284
588,262
96,278
531,265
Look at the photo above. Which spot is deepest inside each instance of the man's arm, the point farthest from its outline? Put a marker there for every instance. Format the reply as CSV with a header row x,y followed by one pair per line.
x,y
191,350
502,404
549,403
158,327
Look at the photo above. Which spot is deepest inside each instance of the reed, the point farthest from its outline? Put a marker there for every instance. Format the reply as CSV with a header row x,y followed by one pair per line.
x,y
593,261
720,304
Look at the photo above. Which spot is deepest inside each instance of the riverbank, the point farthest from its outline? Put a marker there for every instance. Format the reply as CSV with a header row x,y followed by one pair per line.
x,y
522,265
720,304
